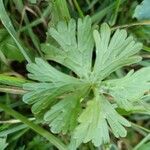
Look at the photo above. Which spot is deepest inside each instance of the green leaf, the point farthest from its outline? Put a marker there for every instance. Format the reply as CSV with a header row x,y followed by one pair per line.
x,y
8,47
142,11
59,98
43,94
3,143
53,84
94,123
113,53
75,48
63,115
129,89
47,73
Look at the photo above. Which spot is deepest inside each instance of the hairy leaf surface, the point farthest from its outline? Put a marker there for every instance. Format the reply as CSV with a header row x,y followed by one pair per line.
x,y
130,88
78,102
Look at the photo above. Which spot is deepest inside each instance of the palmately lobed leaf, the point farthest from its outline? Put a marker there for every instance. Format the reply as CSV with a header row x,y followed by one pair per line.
x,y
58,97
52,83
113,53
94,123
63,116
129,89
75,45
47,73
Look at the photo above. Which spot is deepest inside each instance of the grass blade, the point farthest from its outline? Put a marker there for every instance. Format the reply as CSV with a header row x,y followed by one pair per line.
x,y
8,25
51,138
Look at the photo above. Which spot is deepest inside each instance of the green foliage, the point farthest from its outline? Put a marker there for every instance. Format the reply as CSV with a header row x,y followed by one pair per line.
x,y
8,47
12,81
113,53
79,94
58,97
53,84
126,91
74,53
142,11
145,146
59,11
38,143
33,1
63,115
7,23
94,122
3,143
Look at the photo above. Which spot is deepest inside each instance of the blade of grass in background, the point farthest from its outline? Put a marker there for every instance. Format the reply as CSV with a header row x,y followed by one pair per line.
x,y
45,14
146,48
78,8
147,138
50,137
98,16
63,9
114,16
20,7
12,90
59,11
11,84
12,81
8,25
12,130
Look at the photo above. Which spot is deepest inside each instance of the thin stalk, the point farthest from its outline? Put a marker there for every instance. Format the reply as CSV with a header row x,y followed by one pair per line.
x,y
13,121
114,16
146,48
12,90
38,21
147,138
97,17
50,137
145,22
140,127
78,8
26,20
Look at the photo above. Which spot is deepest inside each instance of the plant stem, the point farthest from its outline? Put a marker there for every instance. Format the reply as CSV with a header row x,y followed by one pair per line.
x,y
146,48
14,121
78,8
51,138
114,16
37,21
140,127
142,142
12,90
145,22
